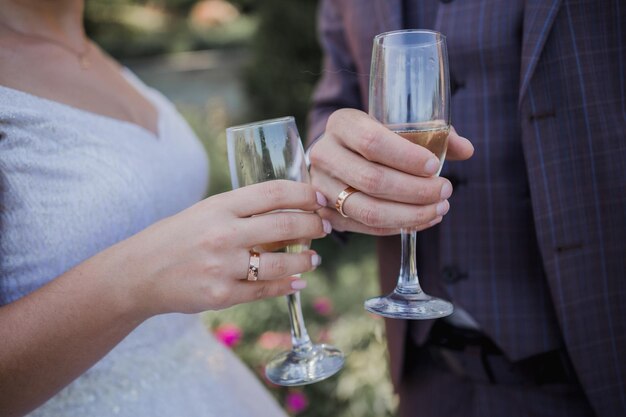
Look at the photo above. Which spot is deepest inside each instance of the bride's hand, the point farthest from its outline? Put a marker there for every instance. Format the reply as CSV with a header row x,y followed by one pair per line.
x,y
198,259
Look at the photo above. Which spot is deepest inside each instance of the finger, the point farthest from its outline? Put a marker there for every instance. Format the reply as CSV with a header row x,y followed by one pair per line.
x,y
459,148
378,213
282,226
380,181
273,195
246,291
346,224
367,137
280,265
332,187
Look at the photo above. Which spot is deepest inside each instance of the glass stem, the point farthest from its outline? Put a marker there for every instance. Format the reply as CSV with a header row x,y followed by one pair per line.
x,y
299,337
408,283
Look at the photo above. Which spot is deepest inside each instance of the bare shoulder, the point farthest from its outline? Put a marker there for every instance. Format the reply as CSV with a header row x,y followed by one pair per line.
x,y
55,73
15,66
32,66
8,57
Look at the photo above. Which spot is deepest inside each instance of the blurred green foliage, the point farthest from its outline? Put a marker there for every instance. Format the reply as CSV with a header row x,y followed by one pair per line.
x,y
136,28
281,36
286,60
283,66
362,388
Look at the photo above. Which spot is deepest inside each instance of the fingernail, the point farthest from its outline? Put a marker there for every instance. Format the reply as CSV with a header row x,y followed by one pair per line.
x,y
321,200
443,207
316,260
446,191
327,226
298,284
432,166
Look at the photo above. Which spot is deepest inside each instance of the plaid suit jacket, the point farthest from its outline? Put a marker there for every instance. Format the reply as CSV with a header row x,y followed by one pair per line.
x,y
571,114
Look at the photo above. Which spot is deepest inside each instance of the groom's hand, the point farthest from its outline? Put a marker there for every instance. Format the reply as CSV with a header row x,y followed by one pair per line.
x,y
395,177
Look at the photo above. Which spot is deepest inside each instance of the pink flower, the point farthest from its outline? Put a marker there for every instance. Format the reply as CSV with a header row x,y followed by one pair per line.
x,y
323,306
229,334
296,402
274,340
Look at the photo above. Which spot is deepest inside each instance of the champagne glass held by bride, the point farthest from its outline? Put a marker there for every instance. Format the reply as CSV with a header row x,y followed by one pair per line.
x,y
272,150
410,95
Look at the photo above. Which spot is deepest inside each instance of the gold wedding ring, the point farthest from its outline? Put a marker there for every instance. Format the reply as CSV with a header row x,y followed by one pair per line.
x,y
342,199
253,268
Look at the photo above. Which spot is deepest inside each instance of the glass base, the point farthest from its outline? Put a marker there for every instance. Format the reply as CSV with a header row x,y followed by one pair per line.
x,y
304,366
409,306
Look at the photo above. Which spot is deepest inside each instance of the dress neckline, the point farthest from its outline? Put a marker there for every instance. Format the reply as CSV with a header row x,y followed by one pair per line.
x,y
135,83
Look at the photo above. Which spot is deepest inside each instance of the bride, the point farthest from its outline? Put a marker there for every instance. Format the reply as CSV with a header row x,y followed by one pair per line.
x,y
104,240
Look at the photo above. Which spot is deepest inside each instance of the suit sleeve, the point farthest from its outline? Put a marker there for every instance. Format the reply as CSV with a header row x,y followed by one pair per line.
x,y
338,86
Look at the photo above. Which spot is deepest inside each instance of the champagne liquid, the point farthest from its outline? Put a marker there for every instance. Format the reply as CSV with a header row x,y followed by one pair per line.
x,y
432,137
286,247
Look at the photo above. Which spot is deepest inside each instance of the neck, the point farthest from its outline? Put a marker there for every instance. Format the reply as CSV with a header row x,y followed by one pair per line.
x,y
60,20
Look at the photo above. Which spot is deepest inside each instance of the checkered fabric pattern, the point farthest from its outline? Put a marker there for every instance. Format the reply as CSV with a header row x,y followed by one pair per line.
x,y
534,245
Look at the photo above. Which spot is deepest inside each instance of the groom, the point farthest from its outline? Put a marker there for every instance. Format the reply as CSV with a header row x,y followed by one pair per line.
x,y
533,250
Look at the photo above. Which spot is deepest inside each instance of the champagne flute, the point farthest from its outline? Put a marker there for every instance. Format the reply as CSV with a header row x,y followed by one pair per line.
x,y
272,150
410,94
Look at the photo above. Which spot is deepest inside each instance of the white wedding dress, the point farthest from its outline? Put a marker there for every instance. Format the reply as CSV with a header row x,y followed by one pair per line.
x,y
73,183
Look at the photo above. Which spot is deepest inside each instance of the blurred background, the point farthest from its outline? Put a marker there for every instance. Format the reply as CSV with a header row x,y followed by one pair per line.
x,y
228,62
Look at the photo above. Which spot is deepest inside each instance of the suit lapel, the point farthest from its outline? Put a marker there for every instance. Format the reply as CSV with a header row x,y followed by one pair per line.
x,y
539,16
389,15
